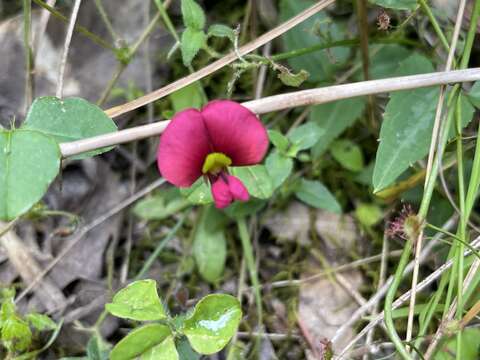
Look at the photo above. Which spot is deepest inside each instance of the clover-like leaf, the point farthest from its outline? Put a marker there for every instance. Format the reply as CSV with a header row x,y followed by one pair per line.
x,y
152,341
68,120
41,322
29,161
138,301
199,193
212,323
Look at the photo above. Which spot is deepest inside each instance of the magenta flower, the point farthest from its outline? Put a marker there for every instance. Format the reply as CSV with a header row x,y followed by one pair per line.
x,y
206,142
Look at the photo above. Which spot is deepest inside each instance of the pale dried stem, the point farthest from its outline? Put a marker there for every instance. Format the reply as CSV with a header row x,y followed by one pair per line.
x,y
50,296
403,298
433,145
209,69
451,311
84,230
285,101
383,290
66,47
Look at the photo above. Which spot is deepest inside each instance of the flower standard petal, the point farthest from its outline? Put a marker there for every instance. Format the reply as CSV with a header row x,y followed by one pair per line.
x,y
183,147
237,189
236,132
221,193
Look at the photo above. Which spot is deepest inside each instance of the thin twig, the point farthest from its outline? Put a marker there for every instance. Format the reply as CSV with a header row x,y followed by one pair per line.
x,y
285,101
404,297
383,290
83,231
66,47
433,145
262,40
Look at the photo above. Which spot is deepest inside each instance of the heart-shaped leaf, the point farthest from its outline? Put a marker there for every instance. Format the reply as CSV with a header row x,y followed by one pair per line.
x,y
199,193
146,342
29,161
138,301
212,323
69,120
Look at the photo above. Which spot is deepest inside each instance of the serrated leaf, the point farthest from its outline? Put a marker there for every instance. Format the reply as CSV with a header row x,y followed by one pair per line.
x,y
407,125
192,41
304,137
279,167
193,15
210,244
315,194
293,79
348,154
212,323
138,301
278,140
256,180
220,30
334,118
29,162
41,322
69,120
142,340
187,97
396,4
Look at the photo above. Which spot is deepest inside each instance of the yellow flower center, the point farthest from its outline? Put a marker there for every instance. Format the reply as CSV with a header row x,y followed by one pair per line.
x,y
215,162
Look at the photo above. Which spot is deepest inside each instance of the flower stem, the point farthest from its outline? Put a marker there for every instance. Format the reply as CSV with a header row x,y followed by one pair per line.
x,y
252,270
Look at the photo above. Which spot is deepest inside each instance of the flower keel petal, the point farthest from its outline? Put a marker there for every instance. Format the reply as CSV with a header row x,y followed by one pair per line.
x,y
237,189
221,194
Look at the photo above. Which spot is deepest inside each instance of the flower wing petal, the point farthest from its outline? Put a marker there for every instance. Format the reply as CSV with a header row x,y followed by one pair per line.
x,y
221,194
235,131
183,147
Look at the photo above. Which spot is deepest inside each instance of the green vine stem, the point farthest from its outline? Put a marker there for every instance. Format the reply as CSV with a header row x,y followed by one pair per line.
x,y
27,43
252,270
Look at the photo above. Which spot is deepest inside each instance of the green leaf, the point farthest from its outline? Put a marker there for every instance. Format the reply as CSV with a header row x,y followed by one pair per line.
x,y
16,335
396,4
470,346
334,118
381,56
138,301
278,140
304,137
316,30
142,340
407,125
256,180
29,161
279,167
160,206
368,214
192,41
219,30
210,244
212,323
166,350
193,15
292,79
315,194
69,120
41,322
348,154
185,351
241,209
199,193
97,349
187,97
474,94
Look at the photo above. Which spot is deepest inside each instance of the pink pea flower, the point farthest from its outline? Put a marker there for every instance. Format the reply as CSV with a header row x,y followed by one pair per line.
x,y
206,142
